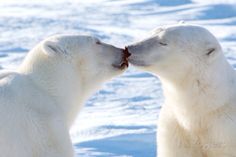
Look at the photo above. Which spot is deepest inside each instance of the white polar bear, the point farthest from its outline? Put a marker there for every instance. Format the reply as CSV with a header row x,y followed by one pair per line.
x,y
198,118
39,102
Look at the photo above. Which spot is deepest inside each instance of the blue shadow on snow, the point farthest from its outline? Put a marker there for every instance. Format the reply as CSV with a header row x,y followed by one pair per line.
x,y
135,145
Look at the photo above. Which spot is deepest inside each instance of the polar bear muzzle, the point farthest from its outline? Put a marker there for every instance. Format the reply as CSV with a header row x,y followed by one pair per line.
x,y
124,61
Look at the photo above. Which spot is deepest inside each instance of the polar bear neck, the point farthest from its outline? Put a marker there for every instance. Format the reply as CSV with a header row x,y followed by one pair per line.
x,y
201,95
59,80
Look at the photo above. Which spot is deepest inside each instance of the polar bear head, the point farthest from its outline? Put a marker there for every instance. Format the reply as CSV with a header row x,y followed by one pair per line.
x,y
66,69
83,61
175,51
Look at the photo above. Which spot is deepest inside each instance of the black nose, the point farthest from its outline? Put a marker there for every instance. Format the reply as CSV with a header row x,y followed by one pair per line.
x,y
126,52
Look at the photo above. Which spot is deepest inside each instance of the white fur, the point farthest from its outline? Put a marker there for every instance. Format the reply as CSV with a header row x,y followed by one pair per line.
x,y
198,118
40,101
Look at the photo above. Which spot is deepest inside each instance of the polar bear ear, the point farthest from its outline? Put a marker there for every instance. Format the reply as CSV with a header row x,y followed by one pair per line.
x,y
52,48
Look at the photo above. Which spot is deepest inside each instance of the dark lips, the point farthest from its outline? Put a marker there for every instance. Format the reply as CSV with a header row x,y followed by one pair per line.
x,y
124,63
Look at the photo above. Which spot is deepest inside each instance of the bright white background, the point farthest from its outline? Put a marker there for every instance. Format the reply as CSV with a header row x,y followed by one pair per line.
x,y
120,119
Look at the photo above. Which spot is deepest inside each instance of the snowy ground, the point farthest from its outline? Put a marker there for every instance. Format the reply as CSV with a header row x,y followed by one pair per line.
x,y
120,119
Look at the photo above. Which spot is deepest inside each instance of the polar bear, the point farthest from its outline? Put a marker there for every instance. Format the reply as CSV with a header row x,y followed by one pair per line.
x,y
40,100
198,118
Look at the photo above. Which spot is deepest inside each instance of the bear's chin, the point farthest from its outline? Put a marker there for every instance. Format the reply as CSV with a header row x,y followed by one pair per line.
x,y
138,63
121,66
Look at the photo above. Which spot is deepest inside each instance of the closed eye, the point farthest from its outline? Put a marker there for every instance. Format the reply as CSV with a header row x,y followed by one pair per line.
x,y
210,51
98,42
163,44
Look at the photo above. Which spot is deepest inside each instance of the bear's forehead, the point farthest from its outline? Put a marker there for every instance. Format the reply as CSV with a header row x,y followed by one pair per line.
x,y
67,38
190,33
186,31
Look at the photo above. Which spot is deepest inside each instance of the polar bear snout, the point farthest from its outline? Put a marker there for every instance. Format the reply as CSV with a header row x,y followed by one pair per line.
x,y
123,63
136,55
125,57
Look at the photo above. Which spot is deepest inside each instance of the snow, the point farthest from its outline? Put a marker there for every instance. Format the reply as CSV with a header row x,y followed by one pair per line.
x,y
121,118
